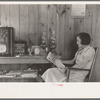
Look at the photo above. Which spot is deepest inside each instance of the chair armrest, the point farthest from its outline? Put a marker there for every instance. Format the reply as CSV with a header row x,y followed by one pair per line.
x,y
70,68
68,65
79,69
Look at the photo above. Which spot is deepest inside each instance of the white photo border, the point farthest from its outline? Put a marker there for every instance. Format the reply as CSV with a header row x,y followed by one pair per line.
x,y
49,90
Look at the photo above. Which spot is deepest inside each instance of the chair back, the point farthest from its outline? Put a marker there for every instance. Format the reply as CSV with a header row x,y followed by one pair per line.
x,y
93,64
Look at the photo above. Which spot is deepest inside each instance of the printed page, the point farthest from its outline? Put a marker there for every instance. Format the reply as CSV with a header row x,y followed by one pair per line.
x,y
55,61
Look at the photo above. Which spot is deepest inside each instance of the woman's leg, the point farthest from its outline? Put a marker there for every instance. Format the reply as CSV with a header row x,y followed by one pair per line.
x,y
53,75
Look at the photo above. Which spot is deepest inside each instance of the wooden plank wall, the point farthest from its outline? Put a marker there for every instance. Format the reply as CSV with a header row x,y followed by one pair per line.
x,y
33,24
30,21
96,39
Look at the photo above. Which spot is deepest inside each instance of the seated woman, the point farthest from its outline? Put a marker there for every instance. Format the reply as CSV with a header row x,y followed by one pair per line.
x,y
83,59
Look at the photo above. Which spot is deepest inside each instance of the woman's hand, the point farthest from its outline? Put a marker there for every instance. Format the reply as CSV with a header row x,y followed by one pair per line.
x,y
63,70
59,64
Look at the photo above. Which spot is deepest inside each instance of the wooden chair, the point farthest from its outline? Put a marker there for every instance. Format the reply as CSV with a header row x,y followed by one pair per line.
x,y
88,77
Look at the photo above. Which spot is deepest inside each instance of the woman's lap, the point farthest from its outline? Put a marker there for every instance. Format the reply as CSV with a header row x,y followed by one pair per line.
x,y
54,75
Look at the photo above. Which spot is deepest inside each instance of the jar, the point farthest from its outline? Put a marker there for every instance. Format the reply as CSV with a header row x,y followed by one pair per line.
x,y
36,50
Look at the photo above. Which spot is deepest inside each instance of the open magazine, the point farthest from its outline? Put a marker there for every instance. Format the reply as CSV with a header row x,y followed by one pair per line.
x,y
51,57
56,62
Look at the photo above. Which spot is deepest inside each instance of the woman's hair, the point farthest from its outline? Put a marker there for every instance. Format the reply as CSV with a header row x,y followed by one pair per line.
x,y
85,38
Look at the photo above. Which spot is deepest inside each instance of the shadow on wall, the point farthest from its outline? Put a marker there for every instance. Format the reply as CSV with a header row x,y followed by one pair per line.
x,y
73,48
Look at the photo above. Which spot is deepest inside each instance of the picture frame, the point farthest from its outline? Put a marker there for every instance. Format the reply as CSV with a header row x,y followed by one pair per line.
x,y
20,47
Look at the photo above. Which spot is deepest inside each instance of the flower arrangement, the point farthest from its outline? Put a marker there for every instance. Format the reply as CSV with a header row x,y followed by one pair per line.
x,y
43,42
50,47
52,44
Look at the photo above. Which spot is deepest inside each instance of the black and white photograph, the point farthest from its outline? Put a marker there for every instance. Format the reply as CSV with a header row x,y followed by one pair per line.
x,y
50,43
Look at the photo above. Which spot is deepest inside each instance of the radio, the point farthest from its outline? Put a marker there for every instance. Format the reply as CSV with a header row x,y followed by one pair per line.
x,y
6,41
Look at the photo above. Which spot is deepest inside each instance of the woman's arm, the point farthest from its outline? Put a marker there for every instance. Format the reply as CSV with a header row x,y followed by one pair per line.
x,y
69,62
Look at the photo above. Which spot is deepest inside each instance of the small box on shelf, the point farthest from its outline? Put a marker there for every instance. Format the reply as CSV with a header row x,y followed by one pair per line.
x,y
20,48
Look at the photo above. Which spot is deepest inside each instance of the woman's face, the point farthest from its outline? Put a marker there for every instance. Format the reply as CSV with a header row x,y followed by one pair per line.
x,y
78,42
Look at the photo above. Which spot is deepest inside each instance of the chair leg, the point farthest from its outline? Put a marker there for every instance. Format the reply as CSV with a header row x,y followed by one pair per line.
x,y
67,75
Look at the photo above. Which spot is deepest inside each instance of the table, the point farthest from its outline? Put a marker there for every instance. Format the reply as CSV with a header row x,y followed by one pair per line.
x,y
22,60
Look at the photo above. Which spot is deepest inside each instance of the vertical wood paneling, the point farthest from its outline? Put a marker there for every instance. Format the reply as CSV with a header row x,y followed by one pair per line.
x,y
96,40
87,20
57,36
97,33
5,16
69,34
33,24
55,25
95,24
43,21
61,32
14,19
49,22
61,29
51,18
23,22
52,23
0,14
78,25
